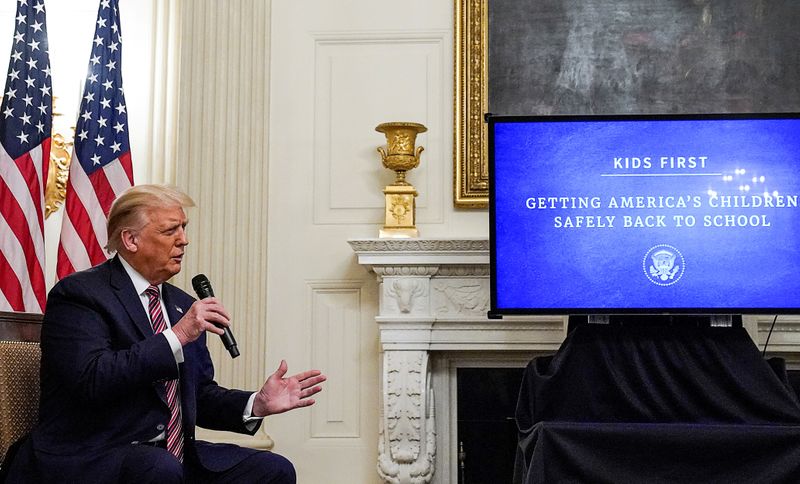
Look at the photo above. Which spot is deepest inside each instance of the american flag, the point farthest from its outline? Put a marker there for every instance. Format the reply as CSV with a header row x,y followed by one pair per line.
x,y
101,161
25,125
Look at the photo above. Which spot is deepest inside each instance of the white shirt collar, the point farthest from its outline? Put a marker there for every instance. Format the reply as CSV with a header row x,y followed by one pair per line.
x,y
138,280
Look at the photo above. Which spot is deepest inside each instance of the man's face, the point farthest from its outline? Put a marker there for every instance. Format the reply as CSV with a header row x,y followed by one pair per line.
x,y
160,244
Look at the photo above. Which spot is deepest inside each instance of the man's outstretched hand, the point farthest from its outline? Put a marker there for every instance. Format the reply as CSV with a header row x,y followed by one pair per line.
x,y
281,394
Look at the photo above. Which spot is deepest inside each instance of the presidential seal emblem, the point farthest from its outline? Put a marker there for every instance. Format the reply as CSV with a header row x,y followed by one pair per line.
x,y
663,265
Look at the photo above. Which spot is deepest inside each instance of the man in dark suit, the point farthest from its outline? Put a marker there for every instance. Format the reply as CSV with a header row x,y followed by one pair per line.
x,y
126,375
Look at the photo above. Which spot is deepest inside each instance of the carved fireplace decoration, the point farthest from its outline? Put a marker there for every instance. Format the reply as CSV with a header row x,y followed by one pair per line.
x,y
407,441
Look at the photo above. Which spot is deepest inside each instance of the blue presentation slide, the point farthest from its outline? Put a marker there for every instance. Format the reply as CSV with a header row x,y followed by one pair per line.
x,y
646,214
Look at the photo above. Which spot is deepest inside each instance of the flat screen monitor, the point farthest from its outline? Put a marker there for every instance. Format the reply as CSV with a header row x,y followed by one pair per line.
x,y
688,214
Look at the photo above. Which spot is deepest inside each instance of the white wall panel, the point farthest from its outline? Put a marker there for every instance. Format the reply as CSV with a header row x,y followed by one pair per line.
x,y
402,74
335,309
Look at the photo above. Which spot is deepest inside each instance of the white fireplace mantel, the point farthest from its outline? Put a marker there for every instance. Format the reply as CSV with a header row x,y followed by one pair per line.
x,y
434,298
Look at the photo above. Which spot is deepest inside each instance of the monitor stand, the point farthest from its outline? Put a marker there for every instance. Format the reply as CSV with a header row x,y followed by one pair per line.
x,y
598,319
698,320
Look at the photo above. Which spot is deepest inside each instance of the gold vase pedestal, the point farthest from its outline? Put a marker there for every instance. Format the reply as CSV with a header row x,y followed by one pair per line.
x,y
401,156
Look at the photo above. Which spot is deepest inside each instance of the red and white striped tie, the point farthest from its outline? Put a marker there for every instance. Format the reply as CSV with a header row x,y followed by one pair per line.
x,y
174,427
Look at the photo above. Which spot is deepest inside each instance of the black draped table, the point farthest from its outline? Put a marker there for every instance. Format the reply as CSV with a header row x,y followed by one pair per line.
x,y
660,404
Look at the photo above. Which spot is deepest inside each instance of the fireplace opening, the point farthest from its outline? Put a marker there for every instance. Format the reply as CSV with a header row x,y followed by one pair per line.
x,y
486,429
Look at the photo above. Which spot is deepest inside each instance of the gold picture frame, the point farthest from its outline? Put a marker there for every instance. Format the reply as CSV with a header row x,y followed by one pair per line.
x,y
702,68
471,171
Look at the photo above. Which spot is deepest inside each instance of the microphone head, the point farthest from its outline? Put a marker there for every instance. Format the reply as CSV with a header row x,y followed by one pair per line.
x,y
202,286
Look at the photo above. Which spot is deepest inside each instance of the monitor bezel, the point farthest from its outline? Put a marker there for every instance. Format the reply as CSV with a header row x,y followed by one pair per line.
x,y
497,312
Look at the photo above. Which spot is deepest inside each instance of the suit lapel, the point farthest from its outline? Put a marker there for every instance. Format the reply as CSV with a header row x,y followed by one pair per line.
x,y
174,312
126,293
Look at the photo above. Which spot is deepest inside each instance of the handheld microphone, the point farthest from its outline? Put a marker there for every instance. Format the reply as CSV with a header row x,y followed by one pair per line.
x,y
202,286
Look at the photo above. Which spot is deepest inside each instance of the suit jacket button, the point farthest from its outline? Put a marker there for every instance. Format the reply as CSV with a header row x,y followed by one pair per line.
x,y
160,427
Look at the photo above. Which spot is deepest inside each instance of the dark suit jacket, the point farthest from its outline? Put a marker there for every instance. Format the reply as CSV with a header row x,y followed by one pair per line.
x,y
102,381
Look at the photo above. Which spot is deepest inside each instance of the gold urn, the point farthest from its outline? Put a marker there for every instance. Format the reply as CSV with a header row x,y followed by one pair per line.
x,y
400,155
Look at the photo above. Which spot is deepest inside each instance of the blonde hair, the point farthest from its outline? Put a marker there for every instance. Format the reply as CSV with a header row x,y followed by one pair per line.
x,y
129,210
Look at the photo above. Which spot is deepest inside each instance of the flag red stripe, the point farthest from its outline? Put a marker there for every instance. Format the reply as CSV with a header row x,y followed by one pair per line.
x,y
11,287
12,212
24,187
31,176
105,194
64,266
76,212
127,165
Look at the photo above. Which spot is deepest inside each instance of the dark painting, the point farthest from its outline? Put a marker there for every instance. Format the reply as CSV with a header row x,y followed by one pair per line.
x,y
643,56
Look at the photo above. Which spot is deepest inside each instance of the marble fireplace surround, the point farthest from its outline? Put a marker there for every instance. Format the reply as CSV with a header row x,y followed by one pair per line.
x,y
434,296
